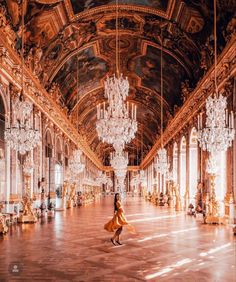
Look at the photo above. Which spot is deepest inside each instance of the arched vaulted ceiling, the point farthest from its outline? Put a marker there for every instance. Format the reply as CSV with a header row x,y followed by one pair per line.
x,y
64,34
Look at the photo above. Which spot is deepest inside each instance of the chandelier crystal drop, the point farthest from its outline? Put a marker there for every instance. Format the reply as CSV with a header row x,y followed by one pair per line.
x,y
21,135
75,164
218,133
161,164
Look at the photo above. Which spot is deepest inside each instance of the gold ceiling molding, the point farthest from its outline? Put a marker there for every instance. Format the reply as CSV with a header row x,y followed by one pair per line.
x,y
134,8
10,68
226,68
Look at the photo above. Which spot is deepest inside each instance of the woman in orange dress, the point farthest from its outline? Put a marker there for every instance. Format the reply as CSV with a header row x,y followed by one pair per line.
x,y
117,222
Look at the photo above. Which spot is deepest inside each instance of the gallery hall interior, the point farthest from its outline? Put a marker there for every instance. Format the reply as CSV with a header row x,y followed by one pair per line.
x,y
117,140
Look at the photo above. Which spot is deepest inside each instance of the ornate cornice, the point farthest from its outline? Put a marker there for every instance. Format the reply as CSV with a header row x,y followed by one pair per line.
x,y
226,68
10,68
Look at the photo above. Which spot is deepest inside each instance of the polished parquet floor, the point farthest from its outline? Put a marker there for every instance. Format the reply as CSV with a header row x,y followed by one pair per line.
x,y
73,246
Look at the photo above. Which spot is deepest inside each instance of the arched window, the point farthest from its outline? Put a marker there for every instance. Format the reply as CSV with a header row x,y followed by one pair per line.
x,y
58,168
183,166
59,151
175,163
66,156
193,165
48,145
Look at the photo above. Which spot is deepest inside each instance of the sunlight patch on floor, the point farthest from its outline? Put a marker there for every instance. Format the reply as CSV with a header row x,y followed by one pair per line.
x,y
212,251
166,234
154,218
168,268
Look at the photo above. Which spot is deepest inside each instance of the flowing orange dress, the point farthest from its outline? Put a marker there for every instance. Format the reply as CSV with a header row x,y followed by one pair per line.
x,y
118,220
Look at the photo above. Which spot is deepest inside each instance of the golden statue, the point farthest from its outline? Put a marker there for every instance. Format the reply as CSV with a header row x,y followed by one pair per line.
x,y
178,206
28,214
3,226
213,207
71,196
64,189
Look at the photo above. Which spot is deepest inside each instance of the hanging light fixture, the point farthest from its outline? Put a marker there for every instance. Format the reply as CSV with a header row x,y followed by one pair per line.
x,y
161,164
21,133
119,161
218,133
103,179
75,164
117,123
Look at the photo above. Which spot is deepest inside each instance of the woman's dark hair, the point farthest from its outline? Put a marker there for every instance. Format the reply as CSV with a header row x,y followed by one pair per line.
x,y
115,201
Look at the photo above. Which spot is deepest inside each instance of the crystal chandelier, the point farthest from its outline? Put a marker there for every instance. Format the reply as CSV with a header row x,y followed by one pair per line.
x,y
138,179
161,164
116,124
119,161
218,133
75,164
103,179
20,133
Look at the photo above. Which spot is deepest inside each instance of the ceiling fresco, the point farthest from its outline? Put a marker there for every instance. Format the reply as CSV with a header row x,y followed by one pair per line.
x,y
61,34
148,68
84,69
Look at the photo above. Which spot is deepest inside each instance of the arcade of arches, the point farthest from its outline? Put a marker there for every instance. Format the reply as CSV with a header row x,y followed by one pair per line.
x,y
69,49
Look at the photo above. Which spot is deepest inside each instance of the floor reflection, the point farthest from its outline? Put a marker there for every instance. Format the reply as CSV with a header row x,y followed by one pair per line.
x,y
73,246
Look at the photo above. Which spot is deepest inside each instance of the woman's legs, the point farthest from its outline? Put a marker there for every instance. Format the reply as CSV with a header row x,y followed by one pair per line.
x,y
117,233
